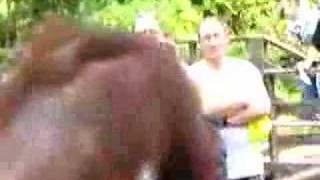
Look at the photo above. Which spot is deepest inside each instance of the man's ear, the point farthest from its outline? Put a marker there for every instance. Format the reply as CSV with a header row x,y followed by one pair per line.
x,y
227,33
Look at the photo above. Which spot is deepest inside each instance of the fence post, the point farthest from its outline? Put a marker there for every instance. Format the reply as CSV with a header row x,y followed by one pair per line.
x,y
256,51
192,51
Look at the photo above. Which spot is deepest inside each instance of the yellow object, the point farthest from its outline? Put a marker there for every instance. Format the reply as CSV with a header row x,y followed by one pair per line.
x,y
259,129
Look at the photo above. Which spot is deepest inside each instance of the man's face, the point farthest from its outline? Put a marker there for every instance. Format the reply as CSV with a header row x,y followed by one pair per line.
x,y
213,40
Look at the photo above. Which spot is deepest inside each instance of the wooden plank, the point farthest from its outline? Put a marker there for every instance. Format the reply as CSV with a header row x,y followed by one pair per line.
x,y
301,154
292,50
274,153
303,174
193,39
192,51
286,47
269,81
256,51
280,103
282,171
297,123
294,161
279,70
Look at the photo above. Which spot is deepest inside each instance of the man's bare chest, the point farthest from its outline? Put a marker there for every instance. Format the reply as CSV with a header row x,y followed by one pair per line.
x,y
219,90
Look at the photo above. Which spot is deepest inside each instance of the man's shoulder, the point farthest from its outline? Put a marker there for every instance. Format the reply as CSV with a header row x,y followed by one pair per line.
x,y
197,70
197,66
237,61
241,64
199,63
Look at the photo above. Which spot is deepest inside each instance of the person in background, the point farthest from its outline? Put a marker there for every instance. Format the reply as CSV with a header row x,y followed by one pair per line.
x,y
232,91
308,79
147,24
309,83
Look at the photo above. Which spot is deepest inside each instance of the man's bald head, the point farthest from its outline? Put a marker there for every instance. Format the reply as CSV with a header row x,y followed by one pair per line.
x,y
213,37
212,23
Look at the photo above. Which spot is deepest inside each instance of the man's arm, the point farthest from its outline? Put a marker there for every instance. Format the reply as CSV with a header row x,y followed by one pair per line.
x,y
302,67
258,104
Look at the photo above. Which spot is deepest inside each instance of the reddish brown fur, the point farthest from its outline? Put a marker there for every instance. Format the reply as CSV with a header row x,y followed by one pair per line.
x,y
100,106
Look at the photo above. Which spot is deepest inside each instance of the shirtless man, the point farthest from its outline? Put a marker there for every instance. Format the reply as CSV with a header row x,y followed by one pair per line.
x,y
234,90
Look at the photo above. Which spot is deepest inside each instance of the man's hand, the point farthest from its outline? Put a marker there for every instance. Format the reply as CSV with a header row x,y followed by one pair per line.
x,y
231,110
302,67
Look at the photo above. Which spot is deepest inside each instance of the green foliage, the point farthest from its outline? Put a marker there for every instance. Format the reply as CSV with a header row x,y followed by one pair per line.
x,y
3,55
3,59
178,17
286,89
18,15
243,16
238,49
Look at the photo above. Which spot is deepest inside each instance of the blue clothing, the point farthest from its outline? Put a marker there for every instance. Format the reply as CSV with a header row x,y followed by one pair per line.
x,y
310,91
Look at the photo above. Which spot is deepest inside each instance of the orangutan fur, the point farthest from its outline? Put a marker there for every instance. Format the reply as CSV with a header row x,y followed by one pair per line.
x,y
101,105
